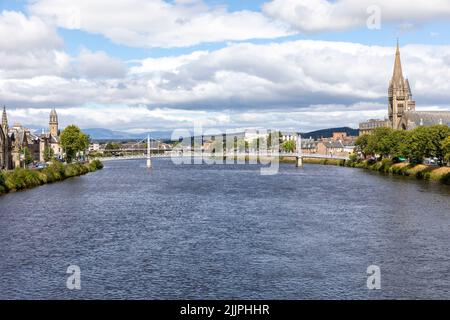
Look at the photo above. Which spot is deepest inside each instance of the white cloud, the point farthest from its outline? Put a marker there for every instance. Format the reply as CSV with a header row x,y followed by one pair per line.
x,y
294,74
142,119
308,84
29,47
295,84
324,15
21,34
157,23
98,64
120,117
165,64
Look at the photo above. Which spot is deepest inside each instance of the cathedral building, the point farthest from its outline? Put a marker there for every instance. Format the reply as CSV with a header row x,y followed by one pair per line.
x,y
402,113
399,93
402,108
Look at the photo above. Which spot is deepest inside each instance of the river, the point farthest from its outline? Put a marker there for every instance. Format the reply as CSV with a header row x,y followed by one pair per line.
x,y
226,232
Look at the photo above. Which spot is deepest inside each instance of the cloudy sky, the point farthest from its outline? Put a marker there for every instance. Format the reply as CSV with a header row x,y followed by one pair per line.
x,y
139,65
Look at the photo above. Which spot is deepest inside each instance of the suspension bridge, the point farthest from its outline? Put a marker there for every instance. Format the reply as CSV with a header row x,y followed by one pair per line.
x,y
144,150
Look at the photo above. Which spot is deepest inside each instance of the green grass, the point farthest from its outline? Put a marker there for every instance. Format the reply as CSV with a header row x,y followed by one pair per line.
x,y
331,162
418,171
21,179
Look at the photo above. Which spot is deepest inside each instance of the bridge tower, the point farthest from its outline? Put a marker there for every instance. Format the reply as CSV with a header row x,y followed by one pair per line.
x,y
149,159
299,157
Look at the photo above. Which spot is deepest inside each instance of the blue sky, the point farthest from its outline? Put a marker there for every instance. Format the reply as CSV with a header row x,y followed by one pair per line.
x,y
429,33
224,63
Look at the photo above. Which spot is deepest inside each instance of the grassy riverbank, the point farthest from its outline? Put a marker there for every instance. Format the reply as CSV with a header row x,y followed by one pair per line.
x,y
330,162
418,171
292,160
21,179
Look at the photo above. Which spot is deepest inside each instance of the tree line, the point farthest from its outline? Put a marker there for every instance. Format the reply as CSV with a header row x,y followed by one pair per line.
x,y
414,145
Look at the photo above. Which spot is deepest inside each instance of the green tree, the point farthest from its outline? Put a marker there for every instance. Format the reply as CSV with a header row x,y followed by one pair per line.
x,y
380,142
112,146
361,145
289,146
419,144
438,135
48,154
398,143
426,142
27,157
446,148
422,142
73,140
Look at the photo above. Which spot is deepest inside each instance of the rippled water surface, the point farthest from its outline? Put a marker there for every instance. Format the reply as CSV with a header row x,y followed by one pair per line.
x,y
205,231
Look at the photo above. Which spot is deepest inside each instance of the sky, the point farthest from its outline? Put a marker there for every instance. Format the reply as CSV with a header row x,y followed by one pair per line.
x,y
144,65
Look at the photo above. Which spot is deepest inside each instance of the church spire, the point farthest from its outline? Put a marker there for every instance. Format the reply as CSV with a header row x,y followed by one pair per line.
x,y
4,118
53,123
399,93
397,77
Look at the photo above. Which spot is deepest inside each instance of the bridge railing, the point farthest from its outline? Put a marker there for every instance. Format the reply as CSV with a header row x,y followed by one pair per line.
x,y
168,154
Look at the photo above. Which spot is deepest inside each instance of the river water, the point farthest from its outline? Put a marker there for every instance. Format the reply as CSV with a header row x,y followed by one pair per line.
x,y
226,232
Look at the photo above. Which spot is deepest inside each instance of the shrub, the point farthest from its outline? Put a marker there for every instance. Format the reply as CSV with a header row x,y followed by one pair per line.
x,y
385,165
54,172
2,183
396,168
446,178
353,160
20,178
95,165
75,169
70,171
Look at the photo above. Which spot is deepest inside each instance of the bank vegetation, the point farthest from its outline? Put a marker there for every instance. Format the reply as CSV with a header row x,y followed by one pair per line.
x,y
21,179
404,152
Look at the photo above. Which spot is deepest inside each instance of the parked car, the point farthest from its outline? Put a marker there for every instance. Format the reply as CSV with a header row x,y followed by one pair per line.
x,y
399,159
41,165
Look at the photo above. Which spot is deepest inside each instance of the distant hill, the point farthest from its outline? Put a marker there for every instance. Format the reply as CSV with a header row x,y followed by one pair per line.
x,y
328,133
101,134
106,134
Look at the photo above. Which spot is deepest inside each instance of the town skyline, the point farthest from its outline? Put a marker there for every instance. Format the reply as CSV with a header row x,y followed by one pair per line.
x,y
237,79
224,158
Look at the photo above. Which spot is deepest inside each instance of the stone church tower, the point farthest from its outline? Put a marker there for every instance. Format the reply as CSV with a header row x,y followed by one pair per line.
x,y
400,97
4,119
5,143
53,124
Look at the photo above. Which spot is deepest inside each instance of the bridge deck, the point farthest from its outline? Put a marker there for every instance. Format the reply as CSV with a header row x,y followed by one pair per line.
x,y
209,155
